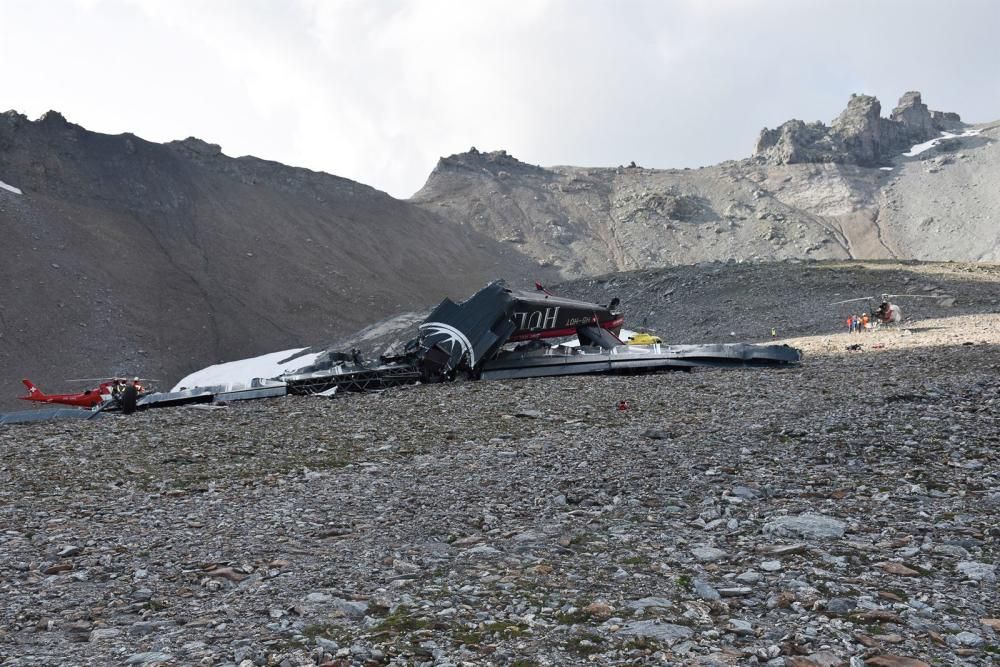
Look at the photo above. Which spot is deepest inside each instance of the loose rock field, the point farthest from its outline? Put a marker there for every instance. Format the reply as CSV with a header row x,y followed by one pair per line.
x,y
840,513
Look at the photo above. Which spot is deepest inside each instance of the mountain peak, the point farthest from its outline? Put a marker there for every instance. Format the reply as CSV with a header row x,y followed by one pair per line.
x,y
196,146
859,135
53,117
491,160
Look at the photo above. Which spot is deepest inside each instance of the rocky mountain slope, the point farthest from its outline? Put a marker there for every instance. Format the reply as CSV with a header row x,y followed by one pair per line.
x,y
124,256
810,191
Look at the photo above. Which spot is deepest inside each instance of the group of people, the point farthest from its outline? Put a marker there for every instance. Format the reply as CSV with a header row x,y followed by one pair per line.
x,y
859,323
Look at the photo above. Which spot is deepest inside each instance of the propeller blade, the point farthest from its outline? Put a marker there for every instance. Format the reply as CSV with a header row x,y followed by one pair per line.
x,y
863,298
914,296
112,379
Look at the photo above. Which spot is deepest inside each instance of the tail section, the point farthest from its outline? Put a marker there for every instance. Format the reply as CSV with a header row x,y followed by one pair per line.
x,y
34,393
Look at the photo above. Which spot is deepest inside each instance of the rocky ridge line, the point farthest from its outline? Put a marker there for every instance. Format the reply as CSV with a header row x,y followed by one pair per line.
x,y
859,135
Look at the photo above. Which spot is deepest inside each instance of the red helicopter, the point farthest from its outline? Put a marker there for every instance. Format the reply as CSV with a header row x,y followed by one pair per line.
x,y
115,392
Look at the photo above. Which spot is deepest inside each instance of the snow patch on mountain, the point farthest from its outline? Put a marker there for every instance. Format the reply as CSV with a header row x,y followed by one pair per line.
x,y
927,145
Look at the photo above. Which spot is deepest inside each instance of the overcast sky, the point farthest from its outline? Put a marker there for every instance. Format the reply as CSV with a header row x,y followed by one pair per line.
x,y
377,90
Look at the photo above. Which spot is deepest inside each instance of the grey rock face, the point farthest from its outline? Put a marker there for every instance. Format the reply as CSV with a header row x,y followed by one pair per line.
x,y
805,194
914,115
859,135
860,128
807,526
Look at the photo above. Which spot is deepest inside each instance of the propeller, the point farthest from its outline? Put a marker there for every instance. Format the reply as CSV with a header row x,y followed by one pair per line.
x,y
912,296
885,297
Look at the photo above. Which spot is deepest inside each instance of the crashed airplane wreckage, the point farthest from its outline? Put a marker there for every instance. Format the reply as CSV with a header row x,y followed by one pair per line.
x,y
499,333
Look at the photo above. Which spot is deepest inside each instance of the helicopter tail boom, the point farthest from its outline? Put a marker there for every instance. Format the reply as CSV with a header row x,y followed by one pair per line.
x,y
34,393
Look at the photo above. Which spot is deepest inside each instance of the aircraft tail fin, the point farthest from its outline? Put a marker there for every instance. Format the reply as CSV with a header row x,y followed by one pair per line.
x,y
33,391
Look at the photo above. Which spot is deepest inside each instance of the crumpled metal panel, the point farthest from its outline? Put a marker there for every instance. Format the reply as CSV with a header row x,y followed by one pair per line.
x,y
47,414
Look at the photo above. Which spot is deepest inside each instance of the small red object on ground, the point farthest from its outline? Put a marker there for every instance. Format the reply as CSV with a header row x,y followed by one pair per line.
x,y
622,405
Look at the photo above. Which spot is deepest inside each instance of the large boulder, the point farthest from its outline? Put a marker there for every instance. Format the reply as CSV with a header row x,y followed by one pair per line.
x,y
795,141
914,117
946,120
860,127
805,526
666,633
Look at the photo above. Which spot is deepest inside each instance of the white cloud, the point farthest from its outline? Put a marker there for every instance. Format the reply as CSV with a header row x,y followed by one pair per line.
x,y
376,91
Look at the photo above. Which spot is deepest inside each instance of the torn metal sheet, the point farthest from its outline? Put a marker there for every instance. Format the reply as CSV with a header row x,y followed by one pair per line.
x,y
183,397
46,414
632,359
352,377
259,388
251,394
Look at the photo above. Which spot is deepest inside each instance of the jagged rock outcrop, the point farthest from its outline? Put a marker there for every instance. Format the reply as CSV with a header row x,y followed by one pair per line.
x,y
914,116
498,164
795,141
860,132
195,146
858,136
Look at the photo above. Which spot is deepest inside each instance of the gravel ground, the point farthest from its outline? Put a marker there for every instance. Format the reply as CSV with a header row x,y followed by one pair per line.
x,y
839,513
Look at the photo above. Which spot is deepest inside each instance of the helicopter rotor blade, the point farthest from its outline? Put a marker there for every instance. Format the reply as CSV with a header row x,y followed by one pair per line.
x,y
863,298
112,379
914,296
